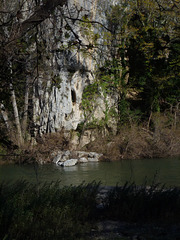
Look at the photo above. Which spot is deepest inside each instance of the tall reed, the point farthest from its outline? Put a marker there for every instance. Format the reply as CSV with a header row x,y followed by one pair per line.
x,y
28,211
149,204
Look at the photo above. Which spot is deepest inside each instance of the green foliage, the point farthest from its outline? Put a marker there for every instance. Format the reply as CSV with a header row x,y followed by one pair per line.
x,y
87,31
150,54
144,44
56,81
89,97
124,111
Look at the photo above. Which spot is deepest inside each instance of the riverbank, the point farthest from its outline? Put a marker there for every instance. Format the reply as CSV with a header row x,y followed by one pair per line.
x,y
33,211
135,142
138,143
131,143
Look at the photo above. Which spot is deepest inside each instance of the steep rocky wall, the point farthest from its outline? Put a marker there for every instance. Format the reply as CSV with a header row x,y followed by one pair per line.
x,y
64,71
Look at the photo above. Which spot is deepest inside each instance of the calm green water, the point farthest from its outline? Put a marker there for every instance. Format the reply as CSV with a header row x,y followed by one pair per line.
x,y
109,173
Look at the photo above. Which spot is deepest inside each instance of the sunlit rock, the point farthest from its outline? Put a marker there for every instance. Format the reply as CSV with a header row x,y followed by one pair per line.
x,y
70,158
70,162
83,160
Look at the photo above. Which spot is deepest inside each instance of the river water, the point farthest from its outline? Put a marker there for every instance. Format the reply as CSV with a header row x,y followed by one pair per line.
x,y
165,171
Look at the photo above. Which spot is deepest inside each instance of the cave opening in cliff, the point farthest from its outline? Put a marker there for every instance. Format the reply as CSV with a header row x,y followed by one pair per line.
x,y
73,96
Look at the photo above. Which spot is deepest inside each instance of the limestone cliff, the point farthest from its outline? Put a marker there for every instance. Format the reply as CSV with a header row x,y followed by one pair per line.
x,y
68,64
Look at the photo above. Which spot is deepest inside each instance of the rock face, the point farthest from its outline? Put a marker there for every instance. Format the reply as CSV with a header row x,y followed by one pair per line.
x,y
67,69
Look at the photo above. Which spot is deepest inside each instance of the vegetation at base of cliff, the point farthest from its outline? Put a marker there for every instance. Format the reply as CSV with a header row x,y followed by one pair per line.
x,y
41,151
137,142
132,142
30,211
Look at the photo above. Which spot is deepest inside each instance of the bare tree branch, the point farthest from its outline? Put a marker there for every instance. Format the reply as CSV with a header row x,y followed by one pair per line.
x,y
89,21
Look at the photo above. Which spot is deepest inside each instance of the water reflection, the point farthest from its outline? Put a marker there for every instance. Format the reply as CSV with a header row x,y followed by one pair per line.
x,y
108,173
67,169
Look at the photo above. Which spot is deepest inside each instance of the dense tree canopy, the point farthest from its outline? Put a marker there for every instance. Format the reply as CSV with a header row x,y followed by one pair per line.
x,y
145,50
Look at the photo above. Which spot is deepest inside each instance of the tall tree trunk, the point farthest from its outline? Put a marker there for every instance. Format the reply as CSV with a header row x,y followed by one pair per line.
x,y
26,104
20,140
4,113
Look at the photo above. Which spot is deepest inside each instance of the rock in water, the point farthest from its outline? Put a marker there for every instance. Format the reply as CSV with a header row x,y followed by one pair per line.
x,y
70,162
83,160
93,159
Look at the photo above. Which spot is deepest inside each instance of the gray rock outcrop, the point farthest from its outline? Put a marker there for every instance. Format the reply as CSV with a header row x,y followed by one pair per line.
x,y
71,158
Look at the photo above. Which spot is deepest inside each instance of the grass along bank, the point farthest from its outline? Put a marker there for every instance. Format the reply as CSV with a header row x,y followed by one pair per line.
x,y
30,211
